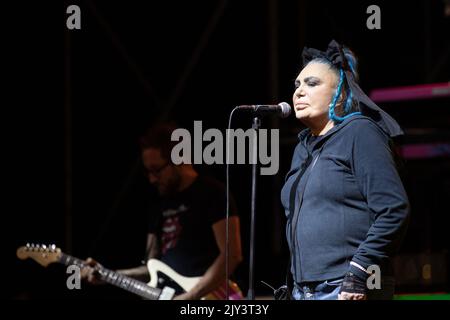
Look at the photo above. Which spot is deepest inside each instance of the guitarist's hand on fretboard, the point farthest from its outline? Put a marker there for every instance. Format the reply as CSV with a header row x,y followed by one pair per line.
x,y
90,272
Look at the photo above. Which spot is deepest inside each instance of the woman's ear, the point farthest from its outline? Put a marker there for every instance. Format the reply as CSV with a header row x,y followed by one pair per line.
x,y
339,108
341,99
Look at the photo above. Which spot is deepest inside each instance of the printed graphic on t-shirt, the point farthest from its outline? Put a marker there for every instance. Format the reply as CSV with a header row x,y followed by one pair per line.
x,y
171,227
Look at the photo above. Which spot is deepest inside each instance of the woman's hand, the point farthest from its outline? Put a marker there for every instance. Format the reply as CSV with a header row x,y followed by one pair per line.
x,y
353,288
351,296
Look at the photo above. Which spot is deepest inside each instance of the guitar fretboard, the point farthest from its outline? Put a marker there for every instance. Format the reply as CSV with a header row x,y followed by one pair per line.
x,y
119,280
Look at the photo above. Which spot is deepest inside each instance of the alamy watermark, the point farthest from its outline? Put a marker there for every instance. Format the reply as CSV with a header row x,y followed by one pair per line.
x,y
374,20
74,280
74,19
374,280
236,144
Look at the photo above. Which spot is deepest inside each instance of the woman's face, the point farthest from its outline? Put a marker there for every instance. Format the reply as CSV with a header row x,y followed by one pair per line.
x,y
315,87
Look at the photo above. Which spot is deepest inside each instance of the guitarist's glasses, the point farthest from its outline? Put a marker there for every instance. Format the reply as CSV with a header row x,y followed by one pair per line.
x,y
155,172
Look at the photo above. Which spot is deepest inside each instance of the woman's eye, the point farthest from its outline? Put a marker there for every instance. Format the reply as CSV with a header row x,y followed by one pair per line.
x,y
312,83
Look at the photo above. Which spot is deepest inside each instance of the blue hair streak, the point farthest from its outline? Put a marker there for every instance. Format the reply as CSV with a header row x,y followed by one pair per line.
x,y
331,113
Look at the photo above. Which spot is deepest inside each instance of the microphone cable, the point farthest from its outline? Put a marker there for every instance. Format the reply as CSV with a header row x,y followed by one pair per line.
x,y
227,293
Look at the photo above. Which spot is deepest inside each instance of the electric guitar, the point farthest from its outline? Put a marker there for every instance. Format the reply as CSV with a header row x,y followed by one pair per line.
x,y
164,284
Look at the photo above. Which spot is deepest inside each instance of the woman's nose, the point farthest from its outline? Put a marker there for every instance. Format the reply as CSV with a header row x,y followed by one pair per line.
x,y
299,92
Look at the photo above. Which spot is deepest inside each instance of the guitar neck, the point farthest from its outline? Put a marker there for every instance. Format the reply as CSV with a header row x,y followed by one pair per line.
x,y
116,279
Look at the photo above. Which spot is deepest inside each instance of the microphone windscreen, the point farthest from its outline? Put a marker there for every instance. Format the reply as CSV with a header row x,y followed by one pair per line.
x,y
285,109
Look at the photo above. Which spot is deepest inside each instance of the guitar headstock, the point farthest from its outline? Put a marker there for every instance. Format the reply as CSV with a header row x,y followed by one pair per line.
x,y
42,254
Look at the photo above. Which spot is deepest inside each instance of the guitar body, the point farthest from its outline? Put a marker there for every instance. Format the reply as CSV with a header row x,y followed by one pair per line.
x,y
162,274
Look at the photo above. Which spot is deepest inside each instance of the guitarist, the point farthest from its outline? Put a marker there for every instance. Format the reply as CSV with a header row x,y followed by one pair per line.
x,y
188,228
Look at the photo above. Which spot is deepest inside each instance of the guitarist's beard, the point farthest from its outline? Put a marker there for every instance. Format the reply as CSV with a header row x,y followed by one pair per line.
x,y
171,184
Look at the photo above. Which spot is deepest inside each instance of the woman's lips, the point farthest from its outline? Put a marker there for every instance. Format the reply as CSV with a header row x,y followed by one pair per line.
x,y
300,106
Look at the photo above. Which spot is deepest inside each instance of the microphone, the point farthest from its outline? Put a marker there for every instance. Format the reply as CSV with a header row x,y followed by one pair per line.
x,y
283,109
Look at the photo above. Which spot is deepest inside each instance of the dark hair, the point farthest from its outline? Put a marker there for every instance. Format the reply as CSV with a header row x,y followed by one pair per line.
x,y
159,137
349,56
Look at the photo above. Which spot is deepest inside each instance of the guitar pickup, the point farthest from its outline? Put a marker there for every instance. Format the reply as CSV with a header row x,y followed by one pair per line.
x,y
167,293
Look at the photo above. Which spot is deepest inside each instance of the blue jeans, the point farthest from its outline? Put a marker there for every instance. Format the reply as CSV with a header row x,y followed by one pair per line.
x,y
329,290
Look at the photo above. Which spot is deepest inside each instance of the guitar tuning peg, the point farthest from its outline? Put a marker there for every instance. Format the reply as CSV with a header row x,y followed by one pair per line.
x,y
53,247
27,246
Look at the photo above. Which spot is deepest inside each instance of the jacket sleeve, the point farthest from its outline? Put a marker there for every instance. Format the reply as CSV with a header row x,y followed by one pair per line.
x,y
380,184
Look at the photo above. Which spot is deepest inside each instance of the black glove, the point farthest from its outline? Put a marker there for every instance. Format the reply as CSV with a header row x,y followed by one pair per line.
x,y
353,284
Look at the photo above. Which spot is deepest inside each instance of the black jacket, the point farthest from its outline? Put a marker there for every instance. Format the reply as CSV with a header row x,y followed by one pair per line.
x,y
354,206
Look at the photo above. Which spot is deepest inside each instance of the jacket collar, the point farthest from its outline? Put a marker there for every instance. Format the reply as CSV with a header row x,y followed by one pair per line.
x,y
304,134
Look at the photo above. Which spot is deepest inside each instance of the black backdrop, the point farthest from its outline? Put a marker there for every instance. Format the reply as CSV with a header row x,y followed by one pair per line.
x,y
78,101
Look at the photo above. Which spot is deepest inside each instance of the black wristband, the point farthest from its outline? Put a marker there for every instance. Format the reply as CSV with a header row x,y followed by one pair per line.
x,y
353,284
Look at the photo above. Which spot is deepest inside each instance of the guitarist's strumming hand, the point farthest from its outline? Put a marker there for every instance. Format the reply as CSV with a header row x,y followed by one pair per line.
x,y
90,272
185,296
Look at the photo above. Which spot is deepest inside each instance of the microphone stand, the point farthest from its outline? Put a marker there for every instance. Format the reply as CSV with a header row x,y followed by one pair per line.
x,y
251,292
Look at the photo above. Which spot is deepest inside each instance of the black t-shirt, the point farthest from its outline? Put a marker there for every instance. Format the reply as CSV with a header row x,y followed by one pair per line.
x,y
183,223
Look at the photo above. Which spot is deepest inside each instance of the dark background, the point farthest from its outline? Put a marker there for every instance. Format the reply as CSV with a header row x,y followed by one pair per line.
x,y
77,102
